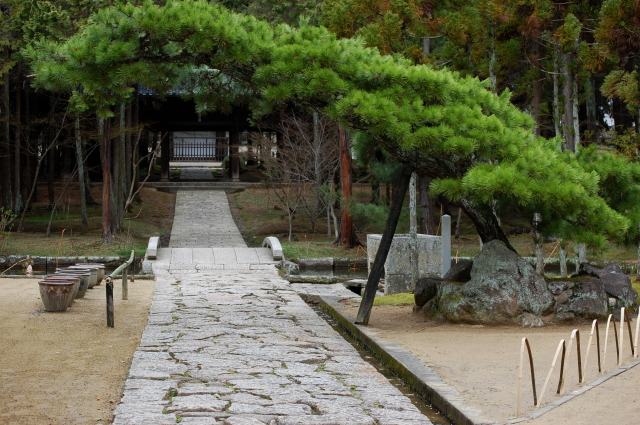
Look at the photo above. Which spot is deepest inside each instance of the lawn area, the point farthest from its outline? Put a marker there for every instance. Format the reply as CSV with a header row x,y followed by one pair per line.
x,y
152,216
262,216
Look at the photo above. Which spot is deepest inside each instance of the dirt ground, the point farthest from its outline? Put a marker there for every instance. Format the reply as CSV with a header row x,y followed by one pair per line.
x,y
66,368
481,362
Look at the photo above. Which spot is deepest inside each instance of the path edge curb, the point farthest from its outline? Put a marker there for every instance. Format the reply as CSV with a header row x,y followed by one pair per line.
x,y
410,369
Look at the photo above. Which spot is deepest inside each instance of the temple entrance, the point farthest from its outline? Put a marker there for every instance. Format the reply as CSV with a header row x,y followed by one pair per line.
x,y
198,146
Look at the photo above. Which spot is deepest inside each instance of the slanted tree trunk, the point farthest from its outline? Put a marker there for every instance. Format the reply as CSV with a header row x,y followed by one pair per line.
x,y
51,161
347,230
364,312
486,222
537,91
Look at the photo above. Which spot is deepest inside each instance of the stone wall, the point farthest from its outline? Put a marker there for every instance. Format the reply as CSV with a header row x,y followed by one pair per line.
x,y
397,268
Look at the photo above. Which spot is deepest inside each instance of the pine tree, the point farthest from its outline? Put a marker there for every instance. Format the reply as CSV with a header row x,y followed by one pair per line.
x,y
476,145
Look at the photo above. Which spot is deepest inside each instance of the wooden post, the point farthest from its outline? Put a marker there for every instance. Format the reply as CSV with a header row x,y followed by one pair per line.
x,y
620,343
413,232
635,340
110,309
125,284
385,244
234,147
586,357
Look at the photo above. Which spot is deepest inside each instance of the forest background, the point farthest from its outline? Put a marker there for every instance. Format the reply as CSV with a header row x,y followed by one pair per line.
x,y
571,66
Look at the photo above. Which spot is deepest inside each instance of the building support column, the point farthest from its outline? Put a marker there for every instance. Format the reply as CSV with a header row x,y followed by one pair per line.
x,y
234,144
164,157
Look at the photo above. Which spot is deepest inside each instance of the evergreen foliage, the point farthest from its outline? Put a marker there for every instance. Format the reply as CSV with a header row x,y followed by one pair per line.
x,y
476,145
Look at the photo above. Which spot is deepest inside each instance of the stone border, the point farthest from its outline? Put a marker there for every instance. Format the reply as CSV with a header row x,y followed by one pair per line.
x,y
573,394
410,369
331,262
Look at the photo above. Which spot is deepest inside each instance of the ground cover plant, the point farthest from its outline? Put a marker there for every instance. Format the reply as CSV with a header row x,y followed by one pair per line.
x,y
152,216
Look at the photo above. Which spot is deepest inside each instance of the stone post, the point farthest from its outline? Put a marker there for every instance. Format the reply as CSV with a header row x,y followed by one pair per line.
x,y
446,244
537,238
413,231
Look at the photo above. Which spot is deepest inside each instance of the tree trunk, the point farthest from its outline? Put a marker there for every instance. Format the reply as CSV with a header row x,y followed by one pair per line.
x,y
107,234
364,312
537,91
80,161
591,107
427,225
347,231
493,79
5,158
457,234
486,223
128,155
413,231
567,89
17,151
51,160
556,90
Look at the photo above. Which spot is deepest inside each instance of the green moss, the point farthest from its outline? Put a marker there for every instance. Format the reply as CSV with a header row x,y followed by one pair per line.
x,y
405,298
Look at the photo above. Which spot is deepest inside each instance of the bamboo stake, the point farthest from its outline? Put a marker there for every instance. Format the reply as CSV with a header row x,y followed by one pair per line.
x,y
606,339
635,340
628,319
551,255
575,334
546,381
621,332
520,377
586,358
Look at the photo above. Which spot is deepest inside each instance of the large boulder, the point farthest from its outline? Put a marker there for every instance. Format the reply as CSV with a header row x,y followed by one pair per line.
x,y
616,284
503,286
588,300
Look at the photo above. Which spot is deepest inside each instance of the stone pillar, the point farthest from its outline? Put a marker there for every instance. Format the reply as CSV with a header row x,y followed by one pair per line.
x,y
164,157
446,243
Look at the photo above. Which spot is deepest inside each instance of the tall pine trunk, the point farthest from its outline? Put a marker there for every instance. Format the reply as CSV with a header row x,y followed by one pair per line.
x,y
567,90
17,151
5,158
556,90
347,231
427,225
80,161
107,233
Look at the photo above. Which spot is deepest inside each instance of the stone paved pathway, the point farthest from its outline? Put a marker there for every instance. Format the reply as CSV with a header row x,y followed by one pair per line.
x,y
202,219
196,173
230,342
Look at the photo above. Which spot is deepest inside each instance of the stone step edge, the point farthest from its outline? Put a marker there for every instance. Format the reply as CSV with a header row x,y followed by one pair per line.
x,y
409,368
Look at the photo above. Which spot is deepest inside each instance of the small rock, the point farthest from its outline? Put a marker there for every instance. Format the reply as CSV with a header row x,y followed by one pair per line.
x,y
564,317
562,298
531,321
556,288
426,289
459,272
